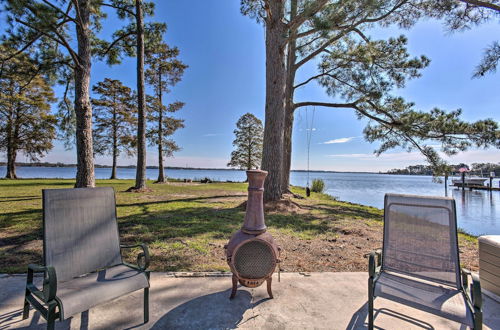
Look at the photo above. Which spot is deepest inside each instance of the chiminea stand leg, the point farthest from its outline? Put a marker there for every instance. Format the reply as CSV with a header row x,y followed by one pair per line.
x,y
235,287
269,290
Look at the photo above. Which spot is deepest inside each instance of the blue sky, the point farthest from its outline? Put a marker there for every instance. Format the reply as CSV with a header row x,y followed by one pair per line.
x,y
226,79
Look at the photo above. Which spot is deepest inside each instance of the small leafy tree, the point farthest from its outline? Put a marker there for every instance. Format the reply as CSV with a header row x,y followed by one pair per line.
x,y
26,124
249,138
164,71
159,134
114,119
318,185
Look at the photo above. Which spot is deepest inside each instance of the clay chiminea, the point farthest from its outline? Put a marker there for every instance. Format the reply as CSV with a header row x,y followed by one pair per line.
x,y
252,253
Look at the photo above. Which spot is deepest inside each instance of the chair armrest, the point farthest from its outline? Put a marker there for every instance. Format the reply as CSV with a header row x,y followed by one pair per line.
x,y
144,255
49,290
374,262
473,292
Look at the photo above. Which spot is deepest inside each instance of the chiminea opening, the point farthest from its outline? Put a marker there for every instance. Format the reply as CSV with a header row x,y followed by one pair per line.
x,y
251,252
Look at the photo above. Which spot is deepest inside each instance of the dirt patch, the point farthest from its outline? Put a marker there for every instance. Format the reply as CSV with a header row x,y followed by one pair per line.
x,y
282,206
139,190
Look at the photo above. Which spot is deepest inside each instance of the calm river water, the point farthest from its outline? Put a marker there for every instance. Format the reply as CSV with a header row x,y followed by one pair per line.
x,y
478,211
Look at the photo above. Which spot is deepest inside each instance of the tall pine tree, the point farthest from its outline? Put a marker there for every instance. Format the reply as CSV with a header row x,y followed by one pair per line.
x,y
114,120
131,41
248,143
26,124
161,130
164,71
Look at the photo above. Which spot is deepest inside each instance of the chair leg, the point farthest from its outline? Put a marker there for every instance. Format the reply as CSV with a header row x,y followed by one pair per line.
x,y
478,320
26,308
51,315
370,304
146,305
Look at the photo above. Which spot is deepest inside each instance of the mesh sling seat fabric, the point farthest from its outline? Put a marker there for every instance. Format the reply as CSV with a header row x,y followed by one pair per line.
x,y
430,297
82,293
419,263
83,266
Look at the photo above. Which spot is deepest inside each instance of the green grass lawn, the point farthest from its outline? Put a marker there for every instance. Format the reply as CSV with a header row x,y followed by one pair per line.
x,y
187,224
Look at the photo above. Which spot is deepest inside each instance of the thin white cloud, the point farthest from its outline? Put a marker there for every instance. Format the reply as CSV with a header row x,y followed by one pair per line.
x,y
341,140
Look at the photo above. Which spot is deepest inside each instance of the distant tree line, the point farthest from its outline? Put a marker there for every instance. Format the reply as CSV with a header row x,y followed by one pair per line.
x,y
49,43
480,169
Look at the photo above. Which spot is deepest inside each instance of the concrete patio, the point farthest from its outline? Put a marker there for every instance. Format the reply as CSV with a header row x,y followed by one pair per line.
x,y
302,301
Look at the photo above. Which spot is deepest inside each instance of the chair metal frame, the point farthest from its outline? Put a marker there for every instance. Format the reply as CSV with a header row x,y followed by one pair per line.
x,y
471,292
45,300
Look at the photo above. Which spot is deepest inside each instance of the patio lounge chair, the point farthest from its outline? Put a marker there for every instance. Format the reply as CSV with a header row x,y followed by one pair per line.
x,y
419,265
83,266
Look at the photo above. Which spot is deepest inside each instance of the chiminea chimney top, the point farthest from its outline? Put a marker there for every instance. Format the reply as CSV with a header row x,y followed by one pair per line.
x,y
254,218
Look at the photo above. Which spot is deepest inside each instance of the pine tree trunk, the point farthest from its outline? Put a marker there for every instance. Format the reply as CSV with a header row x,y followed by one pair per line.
x,y
287,148
11,153
161,171
140,178
272,153
115,156
84,149
115,140
11,162
289,106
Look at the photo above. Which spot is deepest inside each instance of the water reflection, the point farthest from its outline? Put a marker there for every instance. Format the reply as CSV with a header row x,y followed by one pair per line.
x,y
477,210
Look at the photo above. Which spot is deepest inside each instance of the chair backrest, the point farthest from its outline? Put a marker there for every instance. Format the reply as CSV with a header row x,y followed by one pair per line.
x,y
420,238
80,230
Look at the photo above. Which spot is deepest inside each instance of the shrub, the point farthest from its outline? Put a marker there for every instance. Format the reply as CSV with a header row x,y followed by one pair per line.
x,y
318,185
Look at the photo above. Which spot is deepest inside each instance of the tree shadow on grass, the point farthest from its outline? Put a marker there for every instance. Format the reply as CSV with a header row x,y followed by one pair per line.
x,y
199,219
350,211
7,199
62,183
184,200
216,222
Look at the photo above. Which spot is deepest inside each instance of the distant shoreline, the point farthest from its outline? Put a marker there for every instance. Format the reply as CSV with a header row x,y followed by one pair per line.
x,y
168,167
63,165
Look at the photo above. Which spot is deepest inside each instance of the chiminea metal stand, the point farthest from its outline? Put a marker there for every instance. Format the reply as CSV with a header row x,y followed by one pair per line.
x,y
252,253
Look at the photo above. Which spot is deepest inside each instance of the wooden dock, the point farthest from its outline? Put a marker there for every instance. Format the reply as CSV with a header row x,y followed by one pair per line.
x,y
477,187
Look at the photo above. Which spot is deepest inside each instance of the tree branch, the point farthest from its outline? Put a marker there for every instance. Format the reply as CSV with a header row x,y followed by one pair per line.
x,y
118,7
376,19
310,11
377,119
62,41
311,79
483,4
48,3
306,33
321,48
23,48
361,34
351,105
112,44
